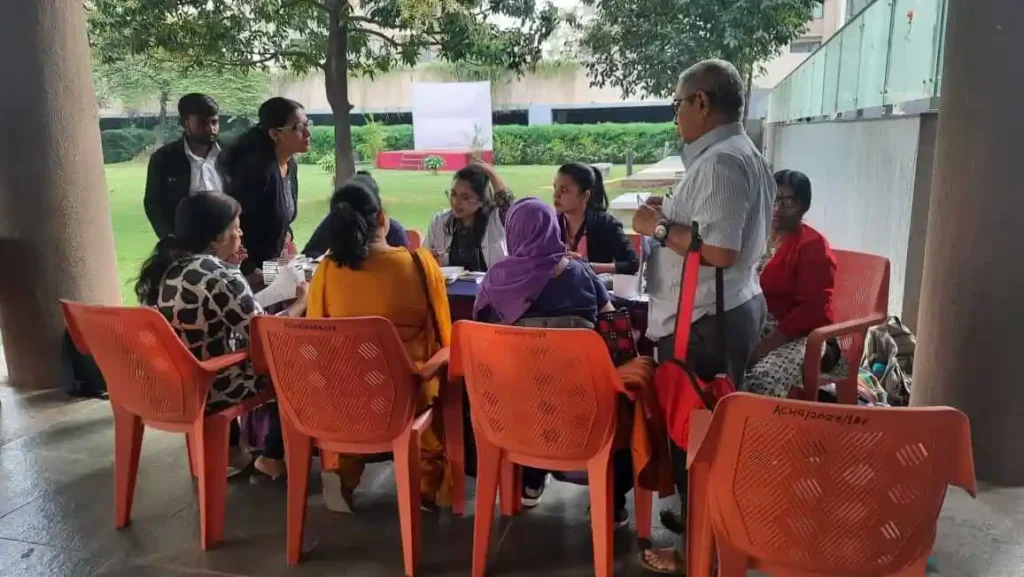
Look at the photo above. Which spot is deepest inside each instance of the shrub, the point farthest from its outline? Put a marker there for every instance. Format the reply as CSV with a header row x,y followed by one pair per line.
x,y
124,144
433,163
553,144
373,141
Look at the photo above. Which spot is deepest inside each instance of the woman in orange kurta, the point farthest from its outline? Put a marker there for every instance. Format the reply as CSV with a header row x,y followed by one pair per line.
x,y
363,276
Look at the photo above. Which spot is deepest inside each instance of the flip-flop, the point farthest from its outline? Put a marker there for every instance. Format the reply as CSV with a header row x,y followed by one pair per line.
x,y
680,567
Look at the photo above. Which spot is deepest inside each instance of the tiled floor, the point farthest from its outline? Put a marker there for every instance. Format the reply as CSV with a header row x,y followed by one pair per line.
x,y
56,516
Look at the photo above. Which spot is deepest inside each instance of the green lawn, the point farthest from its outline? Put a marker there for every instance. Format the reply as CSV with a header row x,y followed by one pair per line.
x,y
409,196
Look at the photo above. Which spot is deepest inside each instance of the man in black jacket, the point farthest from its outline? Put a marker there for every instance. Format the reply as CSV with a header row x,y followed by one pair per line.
x,y
185,166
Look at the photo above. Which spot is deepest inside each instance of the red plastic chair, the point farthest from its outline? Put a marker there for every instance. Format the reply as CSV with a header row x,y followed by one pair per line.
x,y
154,381
860,301
346,386
415,238
637,240
798,489
544,398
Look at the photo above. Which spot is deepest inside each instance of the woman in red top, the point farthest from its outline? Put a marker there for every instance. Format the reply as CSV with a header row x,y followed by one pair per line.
x,y
798,277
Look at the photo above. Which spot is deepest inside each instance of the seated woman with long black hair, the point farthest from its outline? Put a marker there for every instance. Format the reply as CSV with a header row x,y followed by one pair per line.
x,y
208,302
320,241
362,276
589,231
471,233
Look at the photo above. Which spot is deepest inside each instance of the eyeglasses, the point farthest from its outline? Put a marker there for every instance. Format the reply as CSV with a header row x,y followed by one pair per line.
x,y
298,127
787,201
677,103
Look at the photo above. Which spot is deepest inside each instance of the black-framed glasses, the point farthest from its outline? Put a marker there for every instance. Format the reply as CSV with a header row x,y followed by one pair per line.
x,y
787,201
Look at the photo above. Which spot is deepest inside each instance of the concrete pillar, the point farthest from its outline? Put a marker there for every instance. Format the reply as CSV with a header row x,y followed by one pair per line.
x,y
56,238
972,298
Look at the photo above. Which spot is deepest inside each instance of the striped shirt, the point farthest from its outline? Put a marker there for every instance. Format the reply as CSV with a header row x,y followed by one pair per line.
x,y
729,190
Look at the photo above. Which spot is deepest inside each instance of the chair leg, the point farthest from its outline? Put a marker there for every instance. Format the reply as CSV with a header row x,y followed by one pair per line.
x,y
918,569
128,431
488,462
407,477
212,457
643,503
455,444
511,490
700,542
190,447
599,474
298,452
731,563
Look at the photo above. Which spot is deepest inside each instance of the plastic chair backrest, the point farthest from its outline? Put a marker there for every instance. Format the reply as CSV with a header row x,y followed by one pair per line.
x,y
415,239
346,380
835,489
148,370
862,285
545,393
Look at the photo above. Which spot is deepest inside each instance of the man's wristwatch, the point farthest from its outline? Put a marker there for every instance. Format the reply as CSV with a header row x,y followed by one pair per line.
x,y
661,231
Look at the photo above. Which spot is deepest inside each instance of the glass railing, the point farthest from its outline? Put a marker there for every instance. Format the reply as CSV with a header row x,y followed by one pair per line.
x,y
889,54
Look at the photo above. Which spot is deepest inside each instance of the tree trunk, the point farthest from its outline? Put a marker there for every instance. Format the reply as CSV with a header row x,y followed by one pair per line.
x,y
161,119
750,88
336,81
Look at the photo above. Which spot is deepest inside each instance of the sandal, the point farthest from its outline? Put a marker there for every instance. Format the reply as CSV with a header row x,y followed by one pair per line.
x,y
661,561
273,468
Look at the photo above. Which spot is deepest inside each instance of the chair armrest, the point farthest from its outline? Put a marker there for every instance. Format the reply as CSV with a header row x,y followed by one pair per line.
x,y
700,423
437,365
217,364
816,340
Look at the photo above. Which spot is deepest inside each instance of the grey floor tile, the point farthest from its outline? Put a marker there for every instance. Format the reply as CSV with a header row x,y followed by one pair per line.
x,y
20,559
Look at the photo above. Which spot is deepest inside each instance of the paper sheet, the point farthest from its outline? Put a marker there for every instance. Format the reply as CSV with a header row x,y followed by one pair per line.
x,y
283,287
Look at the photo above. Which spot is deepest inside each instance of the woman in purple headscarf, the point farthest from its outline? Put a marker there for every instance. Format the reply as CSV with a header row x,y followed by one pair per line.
x,y
537,283
537,279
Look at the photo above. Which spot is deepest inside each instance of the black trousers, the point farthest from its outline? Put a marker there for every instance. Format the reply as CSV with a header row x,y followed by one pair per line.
x,y
622,477
742,329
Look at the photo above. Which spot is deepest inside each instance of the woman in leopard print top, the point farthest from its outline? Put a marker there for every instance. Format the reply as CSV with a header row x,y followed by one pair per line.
x,y
208,302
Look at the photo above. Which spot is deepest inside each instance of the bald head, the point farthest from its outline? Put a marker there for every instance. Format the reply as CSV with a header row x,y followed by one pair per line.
x,y
720,81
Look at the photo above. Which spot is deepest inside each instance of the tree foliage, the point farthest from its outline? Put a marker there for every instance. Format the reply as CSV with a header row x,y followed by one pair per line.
x,y
340,37
136,82
641,47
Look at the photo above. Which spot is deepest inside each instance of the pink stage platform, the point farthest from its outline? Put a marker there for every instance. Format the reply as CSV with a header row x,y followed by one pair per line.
x,y
413,159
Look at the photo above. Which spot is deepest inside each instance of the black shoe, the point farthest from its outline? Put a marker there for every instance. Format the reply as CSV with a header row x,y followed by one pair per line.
x,y
621,518
672,521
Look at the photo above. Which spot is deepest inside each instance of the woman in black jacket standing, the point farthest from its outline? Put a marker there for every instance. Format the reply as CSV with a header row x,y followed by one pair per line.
x,y
261,174
589,231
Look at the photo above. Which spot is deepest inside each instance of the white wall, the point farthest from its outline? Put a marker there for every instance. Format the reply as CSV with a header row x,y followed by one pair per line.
x,y
863,177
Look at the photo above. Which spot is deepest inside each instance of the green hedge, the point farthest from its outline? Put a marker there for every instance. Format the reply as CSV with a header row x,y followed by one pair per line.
x,y
561,143
518,145
124,144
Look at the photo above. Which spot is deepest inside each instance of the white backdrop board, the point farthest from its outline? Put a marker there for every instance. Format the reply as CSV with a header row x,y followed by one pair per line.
x,y
448,115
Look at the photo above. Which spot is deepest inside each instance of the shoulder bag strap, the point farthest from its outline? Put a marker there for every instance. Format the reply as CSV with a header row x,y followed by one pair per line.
x,y
426,293
720,315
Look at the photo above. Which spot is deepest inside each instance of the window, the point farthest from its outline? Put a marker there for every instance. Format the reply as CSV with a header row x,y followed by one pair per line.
x,y
819,11
804,47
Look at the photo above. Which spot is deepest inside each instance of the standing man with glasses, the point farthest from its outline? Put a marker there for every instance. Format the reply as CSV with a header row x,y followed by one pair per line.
x,y
185,166
729,190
